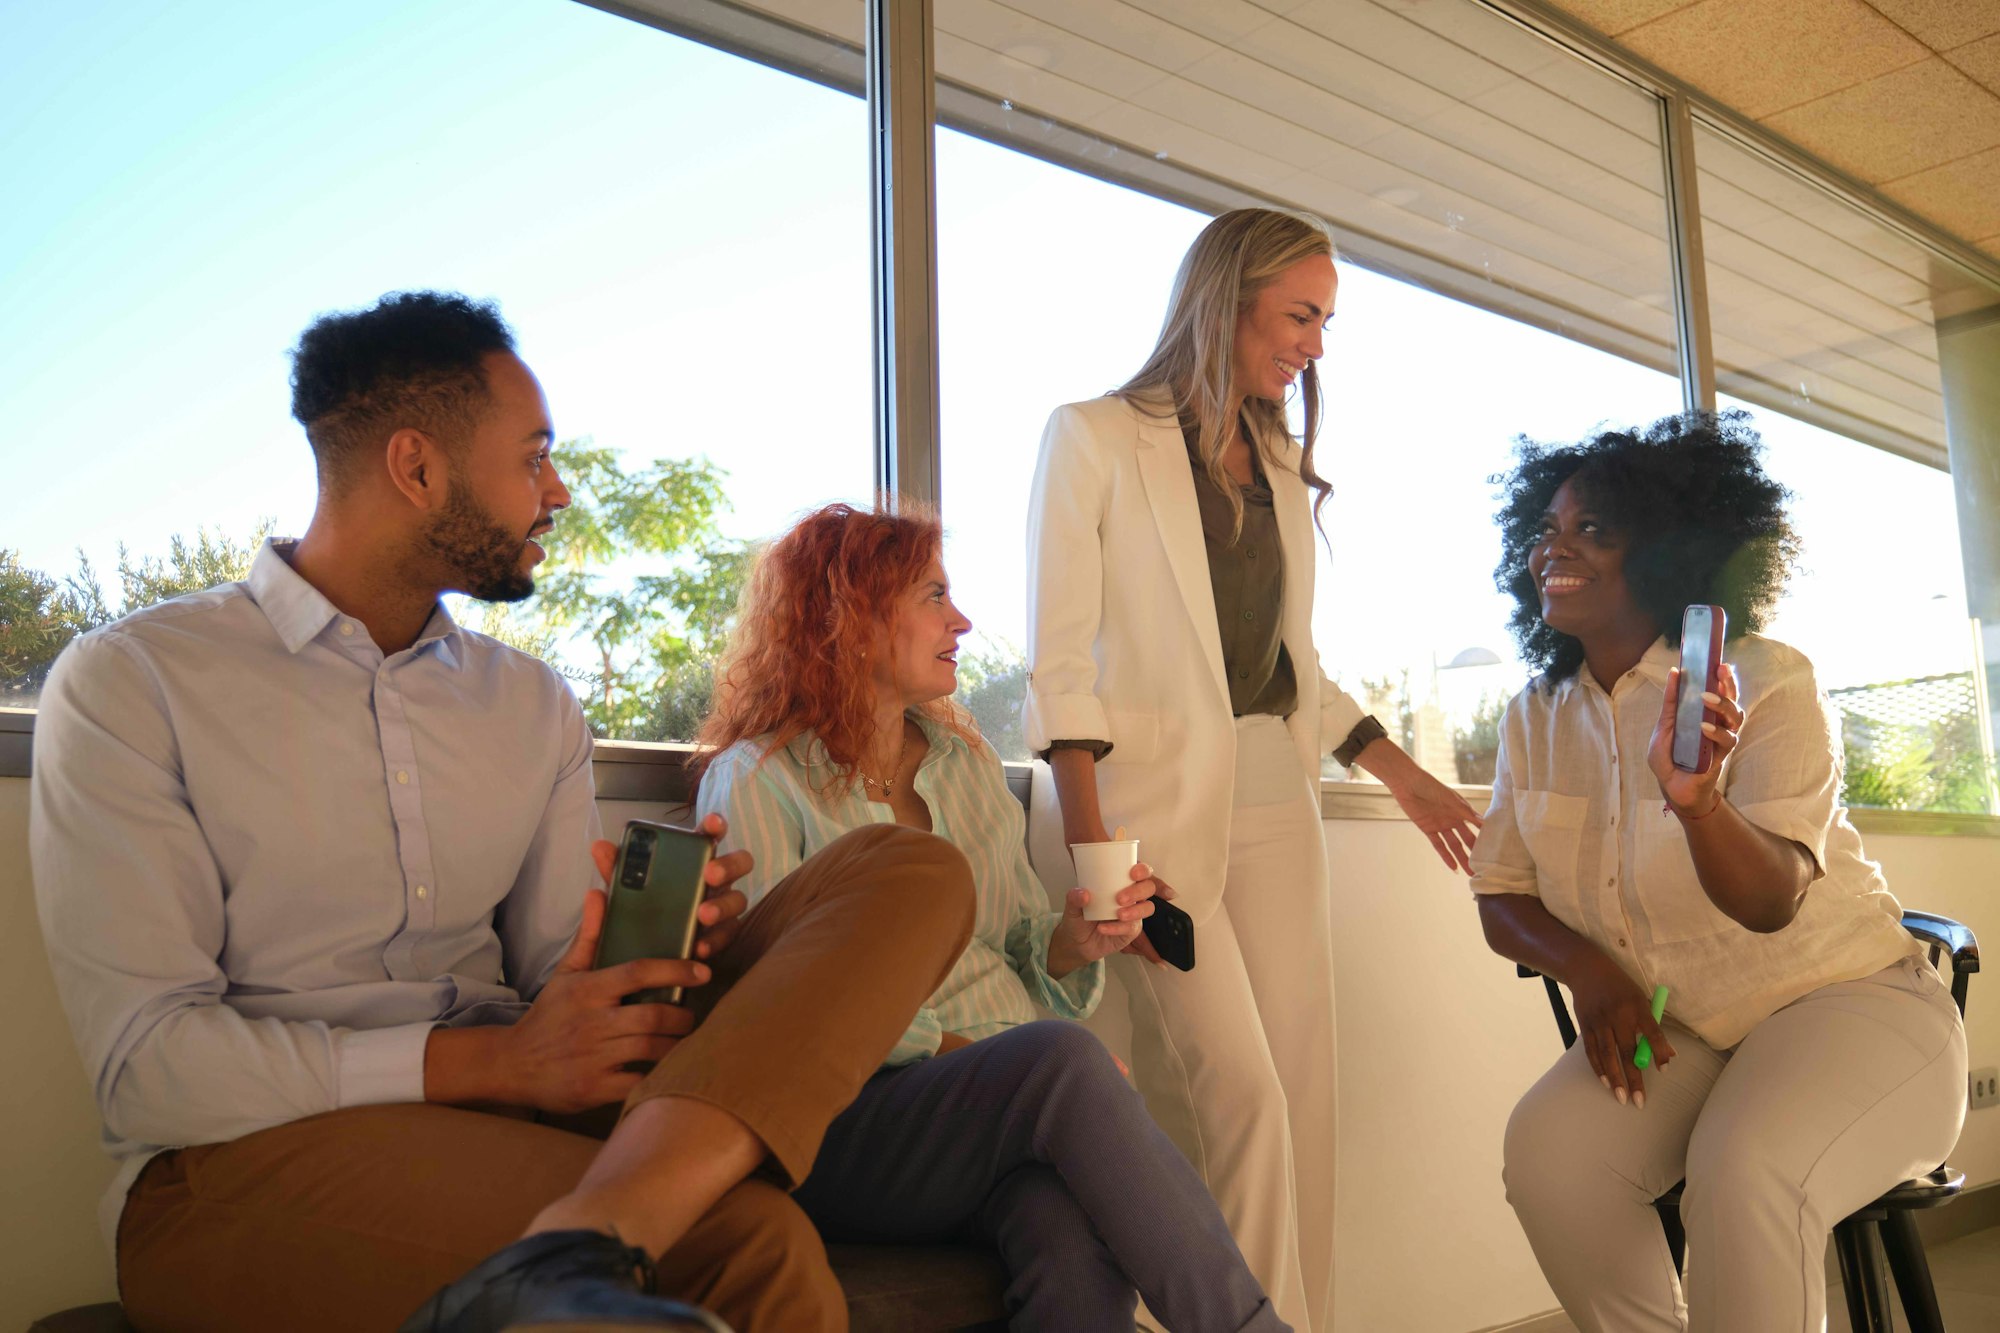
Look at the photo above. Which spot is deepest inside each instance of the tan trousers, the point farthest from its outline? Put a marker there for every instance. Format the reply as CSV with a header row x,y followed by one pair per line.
x,y
346,1222
1835,1098
1236,1057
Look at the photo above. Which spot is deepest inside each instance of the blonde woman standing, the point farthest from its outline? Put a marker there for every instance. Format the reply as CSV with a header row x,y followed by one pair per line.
x,y
1175,689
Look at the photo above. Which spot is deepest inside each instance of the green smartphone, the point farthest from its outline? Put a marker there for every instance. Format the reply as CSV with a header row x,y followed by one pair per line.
x,y
656,889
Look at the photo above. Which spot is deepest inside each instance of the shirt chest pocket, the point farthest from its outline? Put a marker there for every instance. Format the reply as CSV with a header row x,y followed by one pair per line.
x,y
1672,904
1551,825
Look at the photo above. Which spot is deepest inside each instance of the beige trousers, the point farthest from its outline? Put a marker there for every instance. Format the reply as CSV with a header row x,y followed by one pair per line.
x,y
1236,1057
1835,1098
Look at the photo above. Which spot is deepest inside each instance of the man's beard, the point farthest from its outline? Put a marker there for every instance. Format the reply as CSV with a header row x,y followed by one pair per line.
x,y
481,557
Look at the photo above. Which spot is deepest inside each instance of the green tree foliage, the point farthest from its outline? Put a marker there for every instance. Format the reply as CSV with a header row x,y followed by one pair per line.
x,y
992,686
38,616
1937,766
1476,746
647,637
211,559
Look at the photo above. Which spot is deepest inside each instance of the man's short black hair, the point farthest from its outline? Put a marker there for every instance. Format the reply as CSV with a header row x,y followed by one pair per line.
x,y
411,360
1702,523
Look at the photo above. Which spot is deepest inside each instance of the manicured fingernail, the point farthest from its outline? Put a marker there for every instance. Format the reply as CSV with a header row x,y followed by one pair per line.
x,y
1710,697
1639,1100
1605,1081
700,972
1619,1093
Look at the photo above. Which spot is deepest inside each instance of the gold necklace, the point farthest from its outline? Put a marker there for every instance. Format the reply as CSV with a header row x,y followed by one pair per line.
x,y
886,786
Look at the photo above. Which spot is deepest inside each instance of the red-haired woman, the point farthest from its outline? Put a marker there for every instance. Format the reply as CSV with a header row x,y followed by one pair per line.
x,y
833,712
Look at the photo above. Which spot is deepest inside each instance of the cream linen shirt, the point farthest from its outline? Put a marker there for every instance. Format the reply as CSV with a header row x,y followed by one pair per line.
x,y
1577,821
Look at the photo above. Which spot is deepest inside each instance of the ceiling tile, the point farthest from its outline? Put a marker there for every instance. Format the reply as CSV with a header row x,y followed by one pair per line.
x,y
1980,61
1761,56
1963,197
1615,16
1943,24
1898,124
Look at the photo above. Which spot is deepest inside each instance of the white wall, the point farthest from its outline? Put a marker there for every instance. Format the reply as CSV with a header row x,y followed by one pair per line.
x,y
1437,1039
51,1170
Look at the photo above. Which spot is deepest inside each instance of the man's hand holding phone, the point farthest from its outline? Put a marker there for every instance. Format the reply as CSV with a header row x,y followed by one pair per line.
x,y
574,1047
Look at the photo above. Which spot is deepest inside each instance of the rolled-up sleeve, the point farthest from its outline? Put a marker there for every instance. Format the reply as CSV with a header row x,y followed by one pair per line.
x,y
1501,862
131,905
1784,775
1076,995
919,1041
1065,587
1339,711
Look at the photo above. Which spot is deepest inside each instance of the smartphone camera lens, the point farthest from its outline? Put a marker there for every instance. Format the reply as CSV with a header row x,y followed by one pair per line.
x,y
638,859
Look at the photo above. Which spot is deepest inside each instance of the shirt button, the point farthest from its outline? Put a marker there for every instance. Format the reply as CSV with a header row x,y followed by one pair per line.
x,y
1249,615
1609,883
346,628
1621,941
422,892
402,777
1251,553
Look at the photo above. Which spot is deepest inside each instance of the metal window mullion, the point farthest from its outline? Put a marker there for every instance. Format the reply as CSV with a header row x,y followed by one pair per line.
x,y
902,166
1690,269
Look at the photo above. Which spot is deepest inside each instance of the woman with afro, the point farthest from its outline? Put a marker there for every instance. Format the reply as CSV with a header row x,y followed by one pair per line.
x,y
1809,1058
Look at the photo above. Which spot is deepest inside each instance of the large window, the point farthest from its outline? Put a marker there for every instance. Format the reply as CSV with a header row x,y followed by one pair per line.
x,y
695,302
1409,130
1827,329
671,199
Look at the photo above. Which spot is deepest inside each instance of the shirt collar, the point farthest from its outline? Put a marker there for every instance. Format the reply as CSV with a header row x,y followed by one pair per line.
x,y
1653,666
808,751
301,612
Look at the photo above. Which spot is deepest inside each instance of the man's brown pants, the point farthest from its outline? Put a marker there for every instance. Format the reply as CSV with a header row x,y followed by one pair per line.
x,y
346,1222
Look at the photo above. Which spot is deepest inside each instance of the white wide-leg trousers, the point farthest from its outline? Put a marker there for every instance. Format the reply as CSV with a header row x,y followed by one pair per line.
x,y
1236,1057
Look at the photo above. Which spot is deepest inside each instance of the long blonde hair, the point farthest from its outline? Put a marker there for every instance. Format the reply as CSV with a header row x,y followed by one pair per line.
x,y
1235,258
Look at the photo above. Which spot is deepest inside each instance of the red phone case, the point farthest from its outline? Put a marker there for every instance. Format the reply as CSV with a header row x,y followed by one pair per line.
x,y
1711,673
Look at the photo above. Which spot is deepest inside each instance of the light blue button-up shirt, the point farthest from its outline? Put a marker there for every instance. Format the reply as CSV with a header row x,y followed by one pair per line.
x,y
784,805
269,859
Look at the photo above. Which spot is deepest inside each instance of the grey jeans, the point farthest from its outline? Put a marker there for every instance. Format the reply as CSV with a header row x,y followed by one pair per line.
x,y
1032,1142
1843,1093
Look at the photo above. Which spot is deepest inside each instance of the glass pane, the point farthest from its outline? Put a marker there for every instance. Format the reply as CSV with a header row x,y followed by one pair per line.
x,y
1888,637
167,238
1501,218
1856,350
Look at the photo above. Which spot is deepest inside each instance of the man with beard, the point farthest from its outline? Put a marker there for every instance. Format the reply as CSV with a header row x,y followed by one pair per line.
x,y
313,867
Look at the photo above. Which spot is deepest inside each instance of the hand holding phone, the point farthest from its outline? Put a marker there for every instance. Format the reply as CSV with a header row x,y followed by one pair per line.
x,y
1702,632
656,892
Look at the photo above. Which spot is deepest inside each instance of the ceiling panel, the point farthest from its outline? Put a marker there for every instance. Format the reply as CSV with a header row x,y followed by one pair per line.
x,y
1457,149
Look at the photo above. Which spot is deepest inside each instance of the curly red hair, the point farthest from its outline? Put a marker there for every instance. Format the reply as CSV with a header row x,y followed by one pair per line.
x,y
814,612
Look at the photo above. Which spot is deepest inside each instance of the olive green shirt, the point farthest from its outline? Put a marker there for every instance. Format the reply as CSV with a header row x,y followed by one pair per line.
x,y
1247,577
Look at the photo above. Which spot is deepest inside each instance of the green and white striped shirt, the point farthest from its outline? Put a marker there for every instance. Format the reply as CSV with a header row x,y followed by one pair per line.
x,y
787,807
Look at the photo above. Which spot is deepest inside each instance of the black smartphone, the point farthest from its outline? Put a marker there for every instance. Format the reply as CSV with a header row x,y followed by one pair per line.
x,y
1171,933
1702,629
656,889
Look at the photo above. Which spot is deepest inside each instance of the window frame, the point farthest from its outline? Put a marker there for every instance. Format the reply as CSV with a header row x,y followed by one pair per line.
x,y
896,74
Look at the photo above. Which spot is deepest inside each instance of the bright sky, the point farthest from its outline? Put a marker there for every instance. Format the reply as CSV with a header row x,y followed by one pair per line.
x,y
680,239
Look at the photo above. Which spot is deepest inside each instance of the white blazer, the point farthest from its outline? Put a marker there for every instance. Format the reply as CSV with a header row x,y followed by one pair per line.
x,y
1123,644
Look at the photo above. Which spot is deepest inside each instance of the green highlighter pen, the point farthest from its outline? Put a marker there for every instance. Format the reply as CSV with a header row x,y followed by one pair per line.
x,y
1642,1055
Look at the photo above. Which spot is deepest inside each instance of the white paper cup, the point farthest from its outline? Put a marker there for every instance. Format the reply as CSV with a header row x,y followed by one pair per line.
x,y
1105,868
